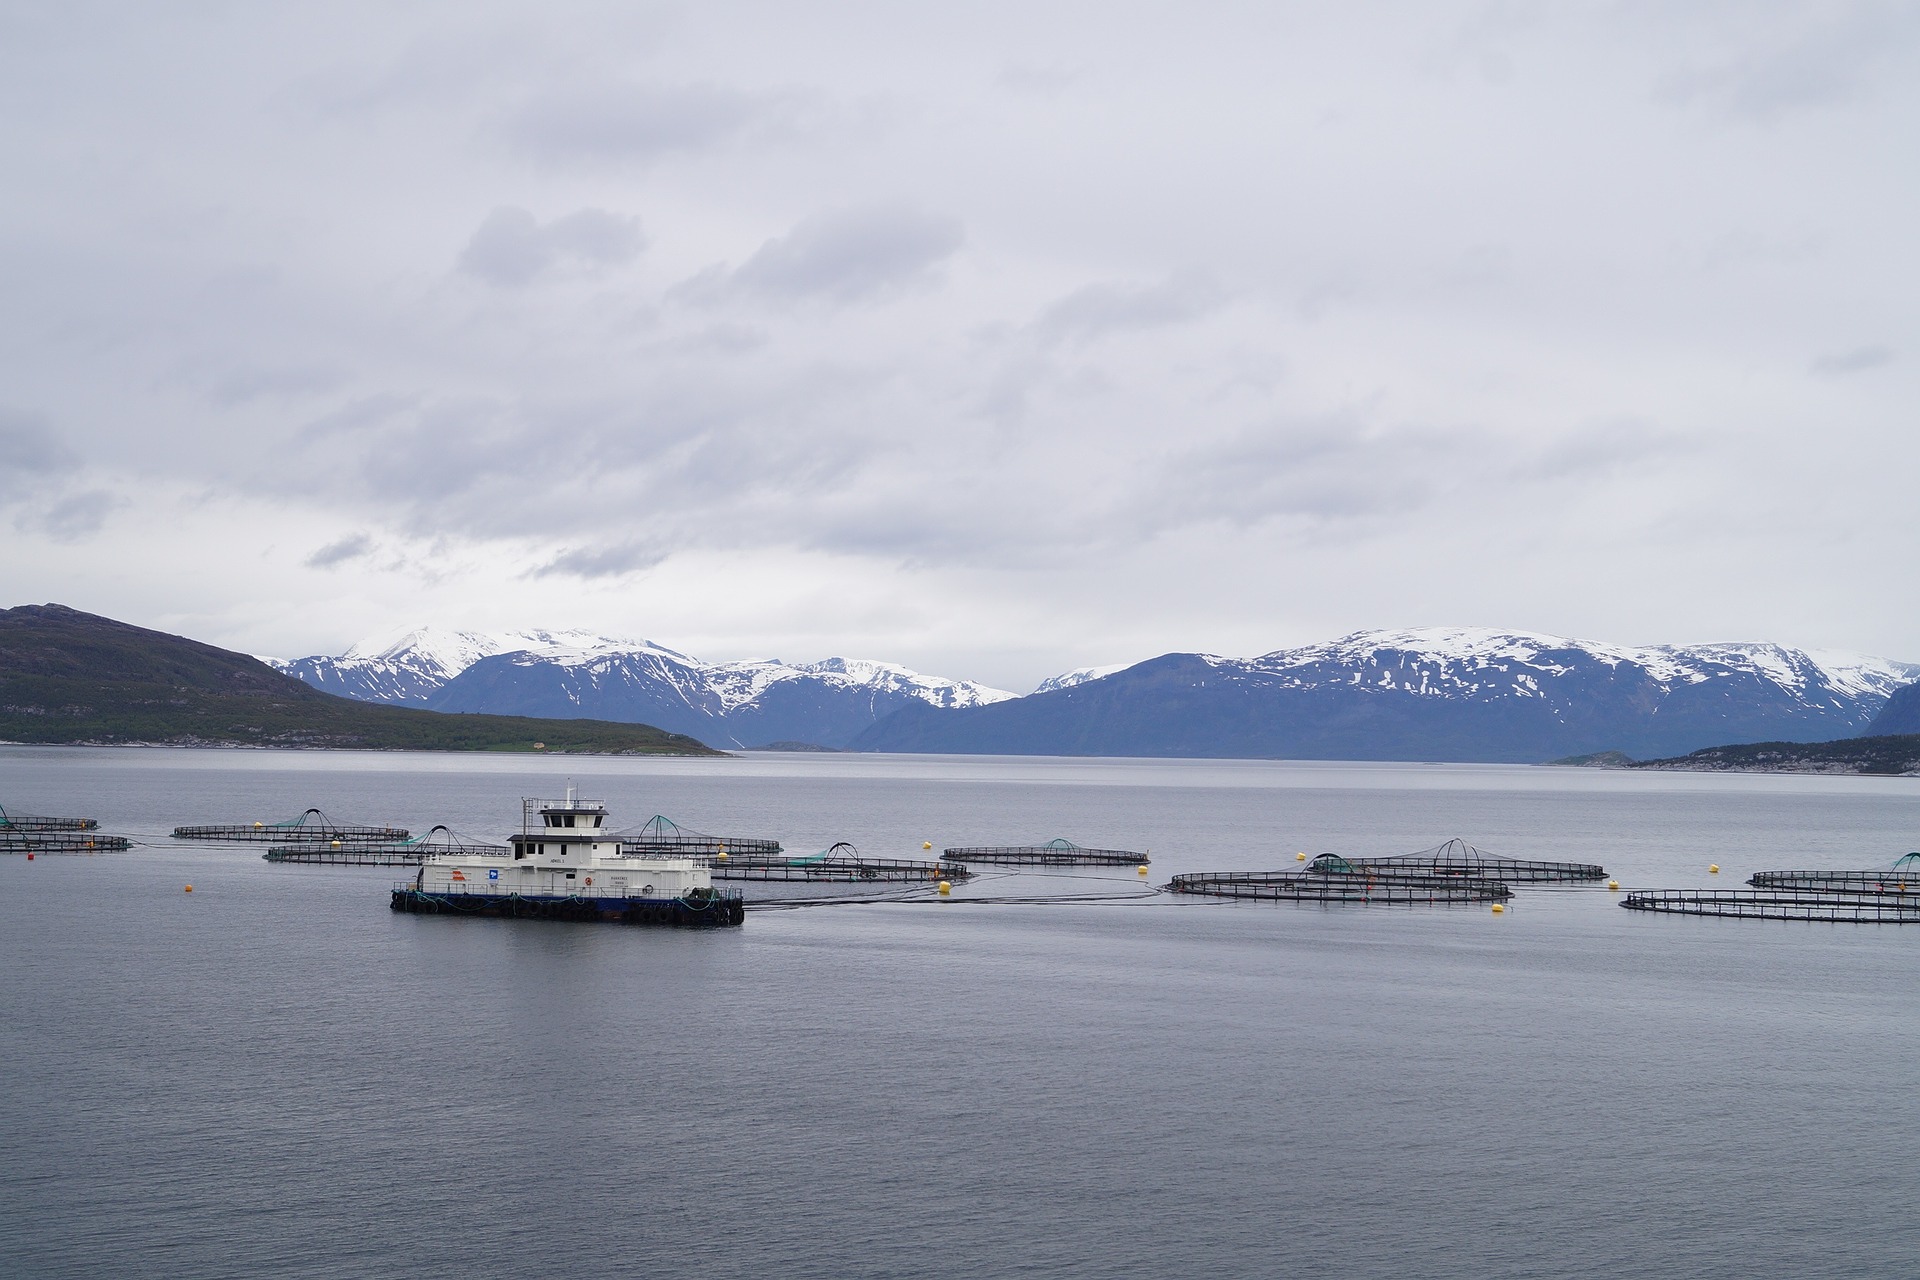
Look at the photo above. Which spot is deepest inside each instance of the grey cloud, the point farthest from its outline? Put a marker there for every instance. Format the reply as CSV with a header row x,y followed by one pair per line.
x,y
1859,359
601,562
352,547
29,447
512,247
1104,308
1601,450
643,122
850,254
1819,67
1311,471
71,517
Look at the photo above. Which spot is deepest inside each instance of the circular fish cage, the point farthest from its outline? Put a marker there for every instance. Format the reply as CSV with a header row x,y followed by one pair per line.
x,y
1779,904
1054,853
842,863
1902,877
661,836
1340,887
61,841
38,822
311,827
402,853
1458,858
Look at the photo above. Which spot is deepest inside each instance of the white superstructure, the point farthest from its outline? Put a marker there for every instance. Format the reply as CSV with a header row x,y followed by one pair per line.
x,y
569,854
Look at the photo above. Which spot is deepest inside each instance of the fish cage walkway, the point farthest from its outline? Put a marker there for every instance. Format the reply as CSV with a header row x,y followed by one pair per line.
x,y
1778,904
38,822
841,863
1054,853
295,830
404,853
1335,886
1458,858
662,835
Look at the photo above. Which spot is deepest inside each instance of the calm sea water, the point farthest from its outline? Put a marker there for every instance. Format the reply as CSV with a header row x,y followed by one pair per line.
x,y
276,1075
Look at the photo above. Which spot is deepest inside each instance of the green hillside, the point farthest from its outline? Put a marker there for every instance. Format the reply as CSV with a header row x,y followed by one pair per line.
x,y
72,677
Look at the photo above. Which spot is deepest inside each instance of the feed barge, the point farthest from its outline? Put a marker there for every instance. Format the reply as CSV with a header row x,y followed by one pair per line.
x,y
570,867
1054,853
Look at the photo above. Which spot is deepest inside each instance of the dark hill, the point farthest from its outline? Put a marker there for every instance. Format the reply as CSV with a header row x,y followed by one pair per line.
x,y
1884,754
72,677
1901,714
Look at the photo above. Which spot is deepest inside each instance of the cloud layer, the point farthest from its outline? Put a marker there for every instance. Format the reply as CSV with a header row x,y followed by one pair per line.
x,y
999,343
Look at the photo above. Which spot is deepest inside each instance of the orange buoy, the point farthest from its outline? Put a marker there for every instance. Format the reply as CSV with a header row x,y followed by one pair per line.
x,y
189,888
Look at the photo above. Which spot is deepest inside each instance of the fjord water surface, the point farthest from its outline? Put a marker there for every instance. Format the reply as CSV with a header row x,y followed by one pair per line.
x,y
276,1075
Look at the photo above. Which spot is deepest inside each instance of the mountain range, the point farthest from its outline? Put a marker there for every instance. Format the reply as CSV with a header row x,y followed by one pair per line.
x,y
564,674
1462,694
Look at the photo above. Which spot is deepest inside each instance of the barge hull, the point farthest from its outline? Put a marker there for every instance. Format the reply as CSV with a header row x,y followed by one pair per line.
x,y
715,913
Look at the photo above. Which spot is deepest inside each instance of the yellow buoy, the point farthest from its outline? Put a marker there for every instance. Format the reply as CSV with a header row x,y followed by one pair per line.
x,y
1141,870
926,844
1497,908
1613,884
336,844
946,888
1299,857
189,888
259,824
1713,868
720,856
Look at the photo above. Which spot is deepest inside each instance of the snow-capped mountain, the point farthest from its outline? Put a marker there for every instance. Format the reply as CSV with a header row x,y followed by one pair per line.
x,y
1428,694
572,674
1077,676
408,667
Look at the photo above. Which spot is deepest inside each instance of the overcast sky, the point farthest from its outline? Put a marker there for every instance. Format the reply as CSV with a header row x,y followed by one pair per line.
x,y
992,339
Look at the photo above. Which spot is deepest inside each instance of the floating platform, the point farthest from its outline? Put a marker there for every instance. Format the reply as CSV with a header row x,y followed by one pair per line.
x,y
1336,886
1779,904
1458,858
60,841
842,863
311,827
36,822
661,835
1054,853
699,909
404,853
